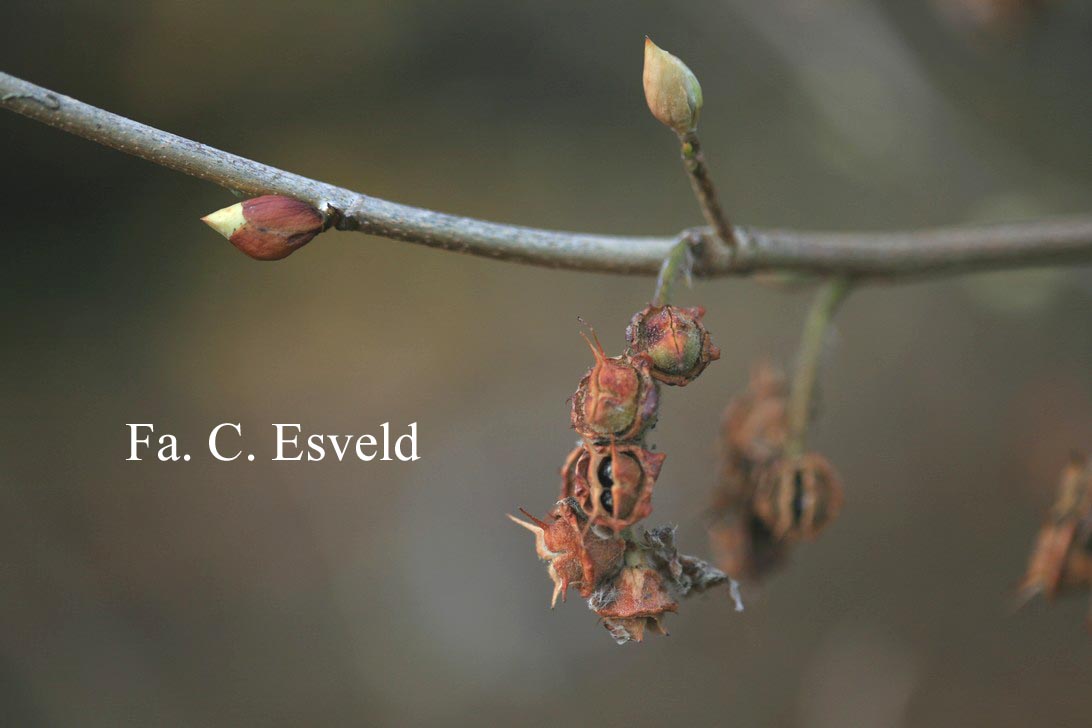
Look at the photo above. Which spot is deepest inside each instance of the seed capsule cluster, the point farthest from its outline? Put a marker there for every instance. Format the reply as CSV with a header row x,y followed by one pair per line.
x,y
607,481
768,499
1061,562
611,473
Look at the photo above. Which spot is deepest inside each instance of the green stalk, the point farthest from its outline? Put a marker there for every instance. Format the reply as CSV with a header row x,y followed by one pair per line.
x,y
826,303
676,265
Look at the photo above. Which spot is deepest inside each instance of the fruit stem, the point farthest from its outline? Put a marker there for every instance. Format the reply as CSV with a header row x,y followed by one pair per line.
x,y
678,263
816,326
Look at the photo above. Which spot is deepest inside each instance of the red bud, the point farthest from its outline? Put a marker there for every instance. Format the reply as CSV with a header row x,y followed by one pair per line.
x,y
270,227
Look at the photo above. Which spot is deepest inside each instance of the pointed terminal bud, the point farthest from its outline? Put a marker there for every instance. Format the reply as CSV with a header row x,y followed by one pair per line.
x,y
269,227
671,90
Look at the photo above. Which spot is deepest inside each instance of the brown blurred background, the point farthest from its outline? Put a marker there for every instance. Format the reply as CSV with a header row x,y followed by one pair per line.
x,y
208,593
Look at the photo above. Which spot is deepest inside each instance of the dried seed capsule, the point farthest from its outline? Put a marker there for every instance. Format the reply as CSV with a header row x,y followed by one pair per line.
x,y
632,602
675,341
616,398
613,483
270,227
1047,562
755,424
754,432
745,548
1062,560
571,486
798,497
576,556
1074,498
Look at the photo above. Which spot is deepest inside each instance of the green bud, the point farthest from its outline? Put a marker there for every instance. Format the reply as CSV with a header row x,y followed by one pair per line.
x,y
671,90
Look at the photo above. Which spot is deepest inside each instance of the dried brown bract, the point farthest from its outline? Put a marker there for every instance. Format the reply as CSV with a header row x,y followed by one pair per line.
x,y
576,556
616,398
1061,562
675,341
634,601
798,497
685,574
655,578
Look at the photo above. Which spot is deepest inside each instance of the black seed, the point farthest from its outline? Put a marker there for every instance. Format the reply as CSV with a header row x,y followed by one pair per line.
x,y
606,472
797,497
606,498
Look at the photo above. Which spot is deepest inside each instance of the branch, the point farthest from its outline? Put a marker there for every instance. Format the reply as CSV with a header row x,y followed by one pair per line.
x,y
874,254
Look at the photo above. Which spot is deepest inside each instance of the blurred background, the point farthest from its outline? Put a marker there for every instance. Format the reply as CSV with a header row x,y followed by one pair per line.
x,y
208,593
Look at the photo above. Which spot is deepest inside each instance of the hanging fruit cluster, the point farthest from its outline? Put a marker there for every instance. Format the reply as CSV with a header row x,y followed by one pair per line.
x,y
588,540
770,495
1061,563
773,492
